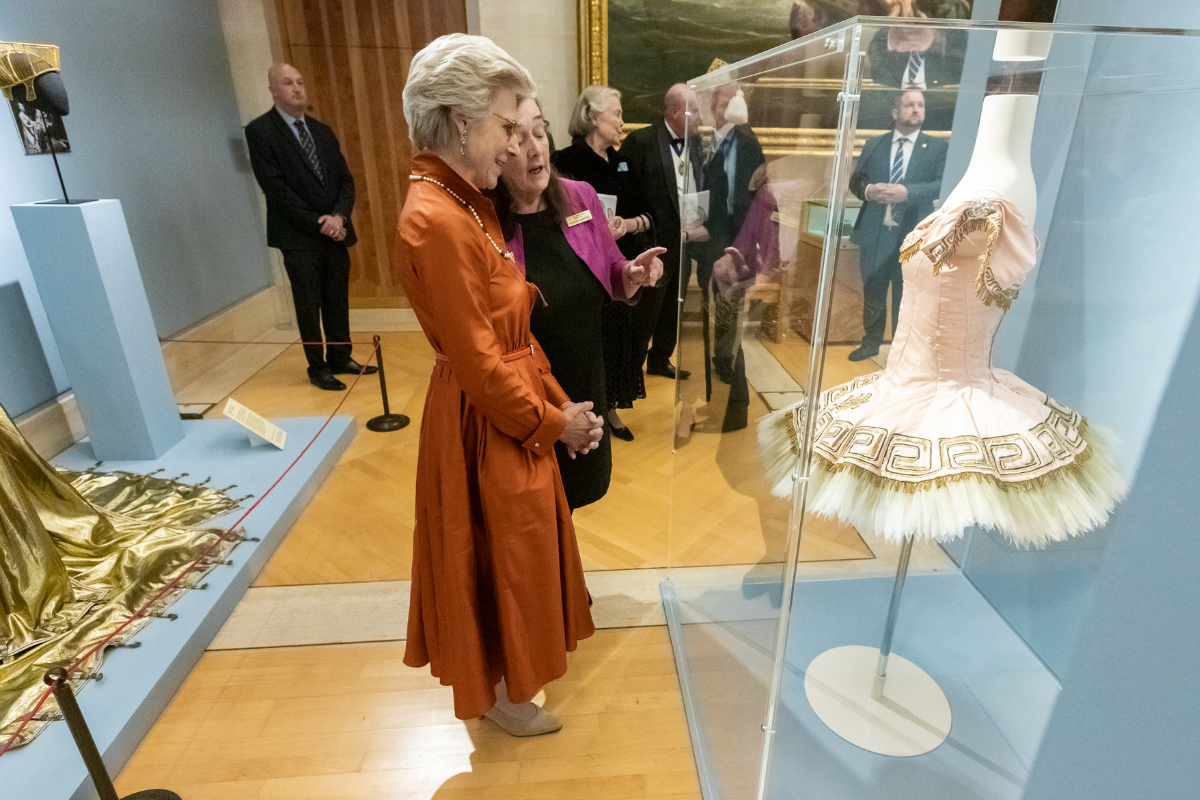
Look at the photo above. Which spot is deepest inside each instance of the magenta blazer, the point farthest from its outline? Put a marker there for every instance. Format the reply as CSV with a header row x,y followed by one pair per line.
x,y
590,240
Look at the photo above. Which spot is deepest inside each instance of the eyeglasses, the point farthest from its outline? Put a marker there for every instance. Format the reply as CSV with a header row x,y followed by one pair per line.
x,y
510,125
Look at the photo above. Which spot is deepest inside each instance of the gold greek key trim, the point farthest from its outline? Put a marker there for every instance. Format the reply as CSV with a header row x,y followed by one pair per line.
x,y
593,43
1065,472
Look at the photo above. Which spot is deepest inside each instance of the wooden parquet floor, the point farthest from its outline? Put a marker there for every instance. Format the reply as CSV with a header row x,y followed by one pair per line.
x,y
351,722
706,505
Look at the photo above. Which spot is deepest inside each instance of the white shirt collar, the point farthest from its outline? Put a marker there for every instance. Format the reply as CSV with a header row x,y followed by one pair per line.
x,y
671,130
288,118
912,137
724,131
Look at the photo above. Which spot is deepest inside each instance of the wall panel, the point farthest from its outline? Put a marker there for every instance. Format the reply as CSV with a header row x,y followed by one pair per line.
x,y
354,55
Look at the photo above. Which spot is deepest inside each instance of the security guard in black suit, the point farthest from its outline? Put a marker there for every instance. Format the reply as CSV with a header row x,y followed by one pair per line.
x,y
898,177
310,194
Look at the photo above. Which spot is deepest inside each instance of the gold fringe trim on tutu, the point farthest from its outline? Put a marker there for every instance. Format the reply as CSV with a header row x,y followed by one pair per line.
x,y
982,215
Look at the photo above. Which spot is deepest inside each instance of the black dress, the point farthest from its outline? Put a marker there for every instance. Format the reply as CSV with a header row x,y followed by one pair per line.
x,y
622,365
568,328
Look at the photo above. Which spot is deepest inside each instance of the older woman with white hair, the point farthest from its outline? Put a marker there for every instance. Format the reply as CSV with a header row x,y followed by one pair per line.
x,y
596,126
498,595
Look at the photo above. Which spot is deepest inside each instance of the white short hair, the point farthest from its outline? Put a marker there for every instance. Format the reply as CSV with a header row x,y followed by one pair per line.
x,y
592,102
460,73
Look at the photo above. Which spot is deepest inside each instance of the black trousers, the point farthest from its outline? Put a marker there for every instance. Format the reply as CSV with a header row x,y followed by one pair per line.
x,y
321,293
665,325
875,305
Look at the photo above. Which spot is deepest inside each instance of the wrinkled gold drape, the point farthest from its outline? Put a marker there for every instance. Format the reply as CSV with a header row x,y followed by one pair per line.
x,y
79,554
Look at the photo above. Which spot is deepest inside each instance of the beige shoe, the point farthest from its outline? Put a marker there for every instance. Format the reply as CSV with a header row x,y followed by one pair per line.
x,y
542,722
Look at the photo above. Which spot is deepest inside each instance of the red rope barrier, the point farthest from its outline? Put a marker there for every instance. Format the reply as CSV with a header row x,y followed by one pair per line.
x,y
223,537
276,344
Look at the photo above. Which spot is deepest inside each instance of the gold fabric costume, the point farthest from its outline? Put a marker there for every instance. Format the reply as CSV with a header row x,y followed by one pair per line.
x,y
79,554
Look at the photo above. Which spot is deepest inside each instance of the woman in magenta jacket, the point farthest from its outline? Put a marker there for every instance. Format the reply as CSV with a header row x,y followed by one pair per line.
x,y
560,238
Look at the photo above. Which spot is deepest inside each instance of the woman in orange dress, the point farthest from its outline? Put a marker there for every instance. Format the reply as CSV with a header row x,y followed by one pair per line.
x,y
498,595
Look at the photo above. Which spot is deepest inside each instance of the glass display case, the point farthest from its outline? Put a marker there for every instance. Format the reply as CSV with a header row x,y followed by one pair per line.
x,y
1036,159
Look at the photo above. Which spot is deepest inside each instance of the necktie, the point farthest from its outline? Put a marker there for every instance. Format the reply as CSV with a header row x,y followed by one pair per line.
x,y
677,146
915,61
309,148
897,173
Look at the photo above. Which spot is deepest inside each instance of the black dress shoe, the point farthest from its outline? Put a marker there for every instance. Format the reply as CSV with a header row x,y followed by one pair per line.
x,y
322,378
863,353
669,371
624,434
352,367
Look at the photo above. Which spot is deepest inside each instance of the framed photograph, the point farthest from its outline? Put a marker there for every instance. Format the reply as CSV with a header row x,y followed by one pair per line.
x,y
39,130
641,47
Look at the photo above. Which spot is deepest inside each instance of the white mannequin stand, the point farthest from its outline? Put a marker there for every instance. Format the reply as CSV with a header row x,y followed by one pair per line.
x,y
871,698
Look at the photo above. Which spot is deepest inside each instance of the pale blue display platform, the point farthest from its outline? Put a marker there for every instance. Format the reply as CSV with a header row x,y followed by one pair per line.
x,y
87,275
138,684
1001,696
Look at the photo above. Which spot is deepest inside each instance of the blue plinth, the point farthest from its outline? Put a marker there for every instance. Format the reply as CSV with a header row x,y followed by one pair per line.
x,y
83,263
121,708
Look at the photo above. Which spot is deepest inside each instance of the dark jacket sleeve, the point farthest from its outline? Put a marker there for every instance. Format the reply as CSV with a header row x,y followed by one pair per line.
x,y
280,196
345,196
633,200
858,178
923,192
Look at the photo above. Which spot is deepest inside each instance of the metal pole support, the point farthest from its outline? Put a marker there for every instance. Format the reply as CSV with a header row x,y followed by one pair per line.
x,y
889,628
387,421
56,679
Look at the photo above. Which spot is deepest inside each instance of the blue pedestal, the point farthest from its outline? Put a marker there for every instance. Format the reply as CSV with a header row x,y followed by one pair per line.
x,y
86,272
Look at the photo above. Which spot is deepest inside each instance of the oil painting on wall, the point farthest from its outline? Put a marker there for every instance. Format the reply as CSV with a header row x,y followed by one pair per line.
x,y
652,44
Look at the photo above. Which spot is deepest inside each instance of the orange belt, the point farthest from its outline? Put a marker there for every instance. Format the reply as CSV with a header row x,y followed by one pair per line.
x,y
524,352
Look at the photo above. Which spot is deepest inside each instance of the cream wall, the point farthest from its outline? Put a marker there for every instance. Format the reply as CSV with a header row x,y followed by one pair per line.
x,y
541,34
248,27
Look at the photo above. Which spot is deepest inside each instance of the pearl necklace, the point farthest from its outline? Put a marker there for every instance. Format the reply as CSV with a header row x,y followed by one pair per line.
x,y
503,253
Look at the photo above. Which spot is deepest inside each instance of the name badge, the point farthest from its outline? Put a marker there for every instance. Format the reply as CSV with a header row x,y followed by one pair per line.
x,y
575,219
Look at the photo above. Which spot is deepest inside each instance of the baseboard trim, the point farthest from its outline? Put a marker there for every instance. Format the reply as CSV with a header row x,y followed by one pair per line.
x,y
53,426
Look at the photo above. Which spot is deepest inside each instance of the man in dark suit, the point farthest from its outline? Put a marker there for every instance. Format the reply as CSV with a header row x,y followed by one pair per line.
x,y
916,58
898,177
655,171
310,194
733,157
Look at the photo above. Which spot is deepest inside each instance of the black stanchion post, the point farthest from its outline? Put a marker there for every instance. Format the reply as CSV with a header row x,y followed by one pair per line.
x,y
387,421
56,679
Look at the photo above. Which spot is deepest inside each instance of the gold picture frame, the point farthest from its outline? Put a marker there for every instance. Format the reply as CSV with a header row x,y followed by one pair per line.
x,y
593,43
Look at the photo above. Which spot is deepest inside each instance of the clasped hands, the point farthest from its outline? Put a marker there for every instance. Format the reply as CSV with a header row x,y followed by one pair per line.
x,y
583,430
645,270
333,226
891,193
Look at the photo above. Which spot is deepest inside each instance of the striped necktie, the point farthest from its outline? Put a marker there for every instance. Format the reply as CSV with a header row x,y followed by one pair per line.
x,y
895,176
897,173
916,60
309,148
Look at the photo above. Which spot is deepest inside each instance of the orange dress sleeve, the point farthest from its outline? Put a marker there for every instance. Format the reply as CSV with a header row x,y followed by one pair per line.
x,y
455,276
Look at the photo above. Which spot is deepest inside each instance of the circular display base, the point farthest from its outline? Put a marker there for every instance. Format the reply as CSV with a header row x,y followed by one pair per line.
x,y
904,714
385,423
